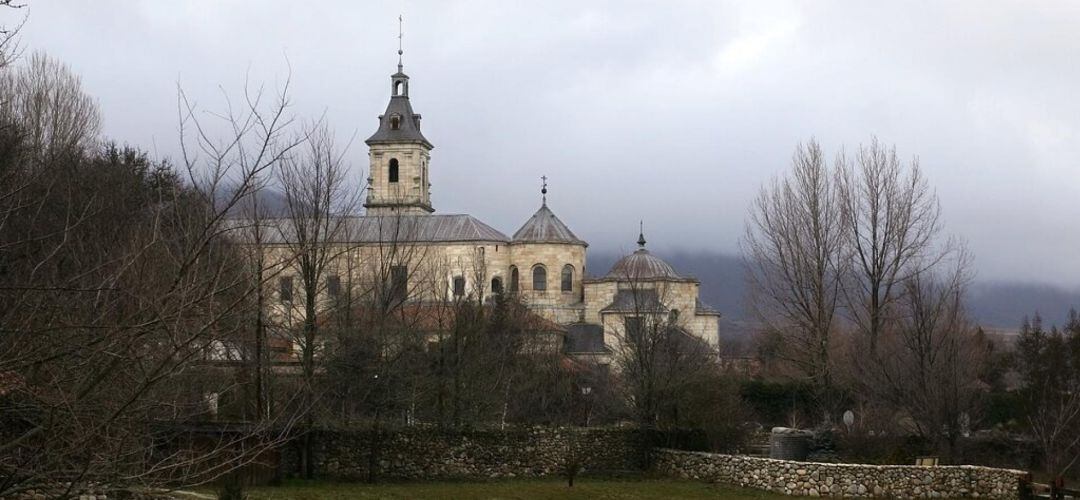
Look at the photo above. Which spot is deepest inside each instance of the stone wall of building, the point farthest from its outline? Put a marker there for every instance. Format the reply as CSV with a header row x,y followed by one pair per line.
x,y
845,480
419,453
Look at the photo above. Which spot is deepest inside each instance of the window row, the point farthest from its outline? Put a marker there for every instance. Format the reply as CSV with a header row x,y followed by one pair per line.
x,y
395,287
539,278
397,284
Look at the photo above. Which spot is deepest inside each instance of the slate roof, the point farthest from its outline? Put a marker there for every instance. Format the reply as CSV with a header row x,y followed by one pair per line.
x,y
642,265
703,309
439,228
641,300
647,301
545,227
584,338
408,129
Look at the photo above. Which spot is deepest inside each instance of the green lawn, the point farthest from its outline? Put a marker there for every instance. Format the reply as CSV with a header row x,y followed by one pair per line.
x,y
510,489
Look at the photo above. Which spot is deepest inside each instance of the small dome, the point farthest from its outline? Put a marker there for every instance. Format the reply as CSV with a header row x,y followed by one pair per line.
x,y
545,227
642,265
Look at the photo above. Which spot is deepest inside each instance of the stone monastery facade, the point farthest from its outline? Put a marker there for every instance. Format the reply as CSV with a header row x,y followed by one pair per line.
x,y
543,262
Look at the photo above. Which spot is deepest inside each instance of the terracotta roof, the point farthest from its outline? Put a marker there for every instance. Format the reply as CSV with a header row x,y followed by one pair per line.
x,y
440,316
545,227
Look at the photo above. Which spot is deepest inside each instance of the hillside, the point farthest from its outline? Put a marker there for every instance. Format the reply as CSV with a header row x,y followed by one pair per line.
x,y
998,304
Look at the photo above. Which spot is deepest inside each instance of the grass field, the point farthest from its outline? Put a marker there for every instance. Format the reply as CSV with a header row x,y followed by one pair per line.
x,y
539,489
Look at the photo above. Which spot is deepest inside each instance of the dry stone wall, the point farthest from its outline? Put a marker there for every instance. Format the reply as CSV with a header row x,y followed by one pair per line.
x,y
418,453
845,480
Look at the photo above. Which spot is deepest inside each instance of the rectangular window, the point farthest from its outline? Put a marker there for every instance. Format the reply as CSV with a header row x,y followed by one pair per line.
x,y
399,282
459,286
634,327
285,288
333,286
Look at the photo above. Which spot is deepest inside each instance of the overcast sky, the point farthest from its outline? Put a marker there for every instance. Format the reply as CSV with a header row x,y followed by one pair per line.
x,y
674,113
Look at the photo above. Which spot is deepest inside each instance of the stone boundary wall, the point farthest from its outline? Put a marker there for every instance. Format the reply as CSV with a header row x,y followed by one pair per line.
x,y
845,480
419,453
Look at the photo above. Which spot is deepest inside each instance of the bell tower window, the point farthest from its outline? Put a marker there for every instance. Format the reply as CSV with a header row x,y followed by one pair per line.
x,y
395,122
393,173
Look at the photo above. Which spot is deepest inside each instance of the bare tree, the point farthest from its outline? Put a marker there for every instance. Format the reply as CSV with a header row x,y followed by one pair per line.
x,y
318,198
47,100
9,35
931,358
891,219
794,253
118,282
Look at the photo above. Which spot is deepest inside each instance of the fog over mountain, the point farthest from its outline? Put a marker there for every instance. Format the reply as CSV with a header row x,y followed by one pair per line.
x,y
993,304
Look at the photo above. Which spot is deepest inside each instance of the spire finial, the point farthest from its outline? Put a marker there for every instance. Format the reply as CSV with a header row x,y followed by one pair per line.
x,y
400,36
543,189
641,234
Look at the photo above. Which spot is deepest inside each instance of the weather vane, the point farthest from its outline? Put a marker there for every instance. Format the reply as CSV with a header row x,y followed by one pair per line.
x,y
543,189
400,36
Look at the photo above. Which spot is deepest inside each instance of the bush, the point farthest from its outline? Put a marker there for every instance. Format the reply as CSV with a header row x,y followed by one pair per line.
x,y
884,450
232,488
773,403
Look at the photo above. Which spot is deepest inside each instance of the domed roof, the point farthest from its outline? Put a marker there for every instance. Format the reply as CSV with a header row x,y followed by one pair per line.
x,y
545,227
642,265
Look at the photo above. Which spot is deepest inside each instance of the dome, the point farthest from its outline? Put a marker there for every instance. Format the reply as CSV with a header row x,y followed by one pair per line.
x,y
642,265
545,227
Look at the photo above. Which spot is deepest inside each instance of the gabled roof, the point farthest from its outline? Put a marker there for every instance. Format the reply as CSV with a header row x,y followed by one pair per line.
x,y
643,300
408,130
373,229
545,227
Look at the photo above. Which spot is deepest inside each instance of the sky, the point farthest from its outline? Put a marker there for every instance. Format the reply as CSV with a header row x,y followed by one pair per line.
x,y
672,113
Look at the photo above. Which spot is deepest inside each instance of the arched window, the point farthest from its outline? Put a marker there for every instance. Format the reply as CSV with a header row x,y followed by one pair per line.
x,y
568,278
513,279
398,86
459,286
496,285
393,170
539,278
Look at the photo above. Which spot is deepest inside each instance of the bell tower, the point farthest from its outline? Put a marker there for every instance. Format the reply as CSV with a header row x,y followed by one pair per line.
x,y
399,156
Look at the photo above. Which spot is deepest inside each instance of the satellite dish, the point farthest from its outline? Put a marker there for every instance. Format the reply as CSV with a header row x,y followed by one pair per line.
x,y
849,418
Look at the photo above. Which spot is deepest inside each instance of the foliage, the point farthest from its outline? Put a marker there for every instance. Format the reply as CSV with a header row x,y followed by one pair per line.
x,y
1049,362
779,402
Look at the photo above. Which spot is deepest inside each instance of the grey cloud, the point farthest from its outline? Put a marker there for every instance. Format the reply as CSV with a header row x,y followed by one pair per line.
x,y
670,112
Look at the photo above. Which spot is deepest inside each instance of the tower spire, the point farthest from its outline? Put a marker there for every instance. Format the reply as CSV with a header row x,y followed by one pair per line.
x,y
543,190
641,234
400,36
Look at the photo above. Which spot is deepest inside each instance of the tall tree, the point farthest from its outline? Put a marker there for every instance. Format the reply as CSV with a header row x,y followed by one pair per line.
x,y
46,98
932,357
318,202
1049,362
891,220
794,253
